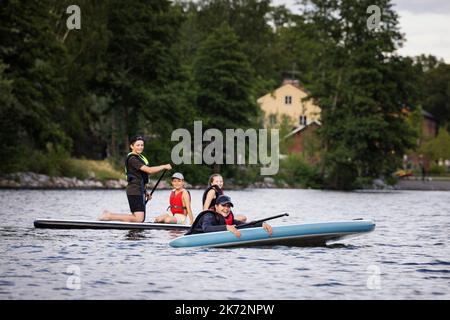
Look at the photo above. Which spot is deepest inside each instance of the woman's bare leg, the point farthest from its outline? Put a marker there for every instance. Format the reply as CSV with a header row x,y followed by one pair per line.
x,y
134,217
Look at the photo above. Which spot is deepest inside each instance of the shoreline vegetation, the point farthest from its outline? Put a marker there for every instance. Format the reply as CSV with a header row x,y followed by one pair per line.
x,y
31,180
105,174
152,67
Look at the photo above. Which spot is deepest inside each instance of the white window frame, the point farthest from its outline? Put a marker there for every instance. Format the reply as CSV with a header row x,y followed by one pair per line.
x,y
287,100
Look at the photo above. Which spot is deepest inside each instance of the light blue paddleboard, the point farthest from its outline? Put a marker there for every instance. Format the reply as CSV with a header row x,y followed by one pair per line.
x,y
310,234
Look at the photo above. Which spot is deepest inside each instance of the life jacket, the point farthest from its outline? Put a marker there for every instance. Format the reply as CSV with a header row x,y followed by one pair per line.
x,y
218,192
176,202
228,220
129,176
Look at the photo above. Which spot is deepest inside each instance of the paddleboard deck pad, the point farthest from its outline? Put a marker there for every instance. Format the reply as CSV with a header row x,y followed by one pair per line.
x,y
85,224
311,234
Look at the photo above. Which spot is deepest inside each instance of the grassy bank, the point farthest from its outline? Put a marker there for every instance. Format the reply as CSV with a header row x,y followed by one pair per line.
x,y
57,163
96,169
296,172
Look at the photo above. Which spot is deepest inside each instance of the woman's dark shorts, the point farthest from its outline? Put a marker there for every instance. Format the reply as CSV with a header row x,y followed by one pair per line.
x,y
137,203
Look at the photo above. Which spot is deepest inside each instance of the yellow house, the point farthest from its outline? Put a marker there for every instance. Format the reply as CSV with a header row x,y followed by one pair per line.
x,y
287,100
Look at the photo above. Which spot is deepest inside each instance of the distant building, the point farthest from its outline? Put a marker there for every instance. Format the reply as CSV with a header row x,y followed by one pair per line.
x,y
430,125
287,100
430,128
300,136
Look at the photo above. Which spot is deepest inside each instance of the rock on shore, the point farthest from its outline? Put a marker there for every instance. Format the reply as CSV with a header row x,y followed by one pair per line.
x,y
25,180
35,180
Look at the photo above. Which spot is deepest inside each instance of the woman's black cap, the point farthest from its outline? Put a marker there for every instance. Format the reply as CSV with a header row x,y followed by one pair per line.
x,y
223,199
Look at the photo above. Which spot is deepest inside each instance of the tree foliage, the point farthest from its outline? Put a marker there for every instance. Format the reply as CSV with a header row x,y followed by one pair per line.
x,y
362,87
437,148
224,78
151,66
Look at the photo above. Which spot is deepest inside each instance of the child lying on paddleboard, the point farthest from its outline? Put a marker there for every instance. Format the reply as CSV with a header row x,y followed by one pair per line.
x,y
220,218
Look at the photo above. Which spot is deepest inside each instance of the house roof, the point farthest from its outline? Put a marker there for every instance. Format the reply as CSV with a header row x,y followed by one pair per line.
x,y
428,115
302,127
272,93
425,113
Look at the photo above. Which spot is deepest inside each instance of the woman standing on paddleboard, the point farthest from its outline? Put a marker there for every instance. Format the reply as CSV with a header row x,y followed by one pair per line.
x,y
215,190
136,169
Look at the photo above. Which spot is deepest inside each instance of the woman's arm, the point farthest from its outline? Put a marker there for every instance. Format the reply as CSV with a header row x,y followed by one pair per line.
x,y
209,197
208,224
155,169
187,203
264,225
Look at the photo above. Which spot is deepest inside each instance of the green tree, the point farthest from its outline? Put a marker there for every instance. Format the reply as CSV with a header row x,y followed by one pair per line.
x,y
144,83
427,62
34,58
297,42
437,92
251,20
224,78
437,148
415,119
8,129
361,86
85,67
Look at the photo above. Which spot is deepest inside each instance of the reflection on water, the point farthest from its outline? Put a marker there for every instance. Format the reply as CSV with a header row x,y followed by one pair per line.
x,y
405,258
342,246
175,233
135,235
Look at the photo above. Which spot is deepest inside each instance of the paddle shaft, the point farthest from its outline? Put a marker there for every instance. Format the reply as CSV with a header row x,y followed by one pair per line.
x,y
261,220
156,184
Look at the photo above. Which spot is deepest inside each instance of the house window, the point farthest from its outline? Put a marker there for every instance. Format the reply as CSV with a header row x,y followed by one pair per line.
x,y
272,119
288,100
302,120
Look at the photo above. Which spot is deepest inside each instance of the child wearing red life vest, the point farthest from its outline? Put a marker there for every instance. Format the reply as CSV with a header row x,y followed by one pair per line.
x,y
180,203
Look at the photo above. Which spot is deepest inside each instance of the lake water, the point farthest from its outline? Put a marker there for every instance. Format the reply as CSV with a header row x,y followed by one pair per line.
x,y
406,257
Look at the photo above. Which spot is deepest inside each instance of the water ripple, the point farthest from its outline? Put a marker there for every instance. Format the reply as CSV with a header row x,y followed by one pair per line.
x,y
407,253
433,271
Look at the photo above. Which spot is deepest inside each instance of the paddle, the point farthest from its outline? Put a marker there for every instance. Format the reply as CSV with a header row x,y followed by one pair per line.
x,y
261,220
156,184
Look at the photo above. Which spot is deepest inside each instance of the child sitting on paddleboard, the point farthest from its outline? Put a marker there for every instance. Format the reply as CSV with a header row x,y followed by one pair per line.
x,y
221,219
180,203
215,190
